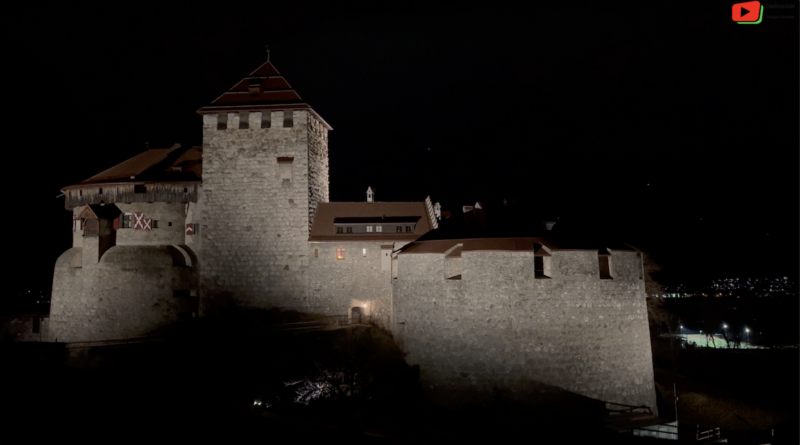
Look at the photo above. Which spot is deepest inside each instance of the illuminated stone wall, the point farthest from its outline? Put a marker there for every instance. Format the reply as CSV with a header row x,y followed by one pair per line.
x,y
255,221
127,293
335,286
499,328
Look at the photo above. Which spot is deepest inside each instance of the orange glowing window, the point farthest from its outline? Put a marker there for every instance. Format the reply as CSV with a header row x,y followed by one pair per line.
x,y
339,254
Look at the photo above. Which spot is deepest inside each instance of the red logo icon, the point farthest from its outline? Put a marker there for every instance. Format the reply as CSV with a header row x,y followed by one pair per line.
x,y
748,12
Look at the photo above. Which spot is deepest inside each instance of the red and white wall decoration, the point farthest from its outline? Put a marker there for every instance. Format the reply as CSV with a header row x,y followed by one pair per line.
x,y
192,228
142,223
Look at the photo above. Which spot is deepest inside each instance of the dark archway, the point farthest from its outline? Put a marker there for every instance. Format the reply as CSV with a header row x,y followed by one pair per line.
x,y
356,314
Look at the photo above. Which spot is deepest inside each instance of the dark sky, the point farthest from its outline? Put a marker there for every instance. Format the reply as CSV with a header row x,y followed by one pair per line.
x,y
668,121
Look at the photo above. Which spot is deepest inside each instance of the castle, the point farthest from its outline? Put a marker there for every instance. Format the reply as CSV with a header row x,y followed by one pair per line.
x,y
246,220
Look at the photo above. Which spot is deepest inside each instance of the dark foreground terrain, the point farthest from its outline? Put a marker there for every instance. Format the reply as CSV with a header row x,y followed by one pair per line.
x,y
200,382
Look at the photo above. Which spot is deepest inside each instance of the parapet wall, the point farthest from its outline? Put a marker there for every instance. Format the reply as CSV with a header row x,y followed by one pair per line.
x,y
501,328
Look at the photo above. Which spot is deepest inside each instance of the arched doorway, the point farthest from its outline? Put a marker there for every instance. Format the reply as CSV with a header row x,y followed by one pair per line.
x,y
356,314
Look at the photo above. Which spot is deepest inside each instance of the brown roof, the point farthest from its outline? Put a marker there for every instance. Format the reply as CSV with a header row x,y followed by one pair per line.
x,y
324,229
513,245
271,92
174,164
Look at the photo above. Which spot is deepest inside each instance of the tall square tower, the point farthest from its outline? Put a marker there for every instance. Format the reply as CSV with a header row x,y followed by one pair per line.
x,y
265,169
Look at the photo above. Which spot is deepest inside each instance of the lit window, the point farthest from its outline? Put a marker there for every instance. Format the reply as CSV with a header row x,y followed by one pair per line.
x,y
222,121
340,230
369,229
363,252
127,221
339,254
349,230
379,228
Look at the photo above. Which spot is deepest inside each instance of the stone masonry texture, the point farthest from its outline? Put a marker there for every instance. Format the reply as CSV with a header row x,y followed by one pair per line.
x,y
500,328
256,223
335,286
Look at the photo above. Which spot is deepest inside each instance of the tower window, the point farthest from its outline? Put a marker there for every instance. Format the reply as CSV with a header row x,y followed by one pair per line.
x,y
379,228
155,223
266,119
127,221
605,265
339,254
369,229
316,253
541,261
288,118
222,121
408,229
244,120
349,229
399,229
541,267
340,230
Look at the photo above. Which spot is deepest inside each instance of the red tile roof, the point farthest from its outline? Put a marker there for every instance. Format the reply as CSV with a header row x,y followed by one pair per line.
x,y
271,92
174,164
327,213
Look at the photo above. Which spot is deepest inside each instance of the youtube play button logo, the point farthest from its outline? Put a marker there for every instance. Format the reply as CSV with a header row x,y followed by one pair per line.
x,y
749,13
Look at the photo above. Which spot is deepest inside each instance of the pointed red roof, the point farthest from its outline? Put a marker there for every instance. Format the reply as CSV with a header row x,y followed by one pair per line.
x,y
263,89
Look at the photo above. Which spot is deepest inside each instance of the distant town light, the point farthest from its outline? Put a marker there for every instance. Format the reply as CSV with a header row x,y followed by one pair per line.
x,y
747,329
724,326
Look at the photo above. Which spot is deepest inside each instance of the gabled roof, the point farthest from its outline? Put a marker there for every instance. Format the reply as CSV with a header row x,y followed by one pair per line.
x,y
174,164
269,91
330,214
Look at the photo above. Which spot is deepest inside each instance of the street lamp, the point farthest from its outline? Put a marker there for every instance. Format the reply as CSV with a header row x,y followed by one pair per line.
x,y
747,331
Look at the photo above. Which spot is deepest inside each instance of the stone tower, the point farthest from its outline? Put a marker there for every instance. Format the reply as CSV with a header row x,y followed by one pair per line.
x,y
265,169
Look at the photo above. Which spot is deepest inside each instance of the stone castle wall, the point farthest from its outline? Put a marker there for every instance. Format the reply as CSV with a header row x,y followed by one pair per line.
x,y
171,217
256,220
336,286
129,292
499,327
317,166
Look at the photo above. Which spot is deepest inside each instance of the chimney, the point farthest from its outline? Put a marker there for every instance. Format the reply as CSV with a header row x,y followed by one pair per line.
x,y
478,205
370,194
467,209
549,225
437,210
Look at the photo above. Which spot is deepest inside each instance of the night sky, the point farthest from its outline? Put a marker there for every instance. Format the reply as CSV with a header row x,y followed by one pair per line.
x,y
666,122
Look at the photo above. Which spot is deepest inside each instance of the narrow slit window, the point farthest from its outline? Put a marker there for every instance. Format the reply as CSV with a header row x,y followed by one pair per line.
x,y
339,254
349,230
316,253
155,223
369,229
363,252
222,121
288,118
244,120
340,230
605,267
101,192
379,228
